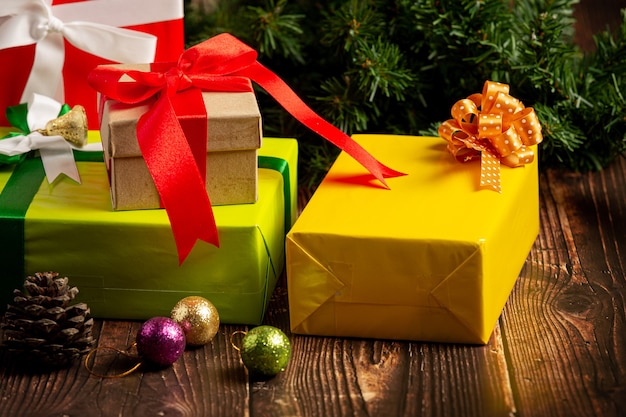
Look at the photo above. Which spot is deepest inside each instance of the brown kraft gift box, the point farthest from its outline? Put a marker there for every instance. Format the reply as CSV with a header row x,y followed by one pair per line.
x,y
234,136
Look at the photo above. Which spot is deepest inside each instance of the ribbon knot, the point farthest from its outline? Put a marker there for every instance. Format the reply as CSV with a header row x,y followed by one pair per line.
x,y
177,80
54,25
495,127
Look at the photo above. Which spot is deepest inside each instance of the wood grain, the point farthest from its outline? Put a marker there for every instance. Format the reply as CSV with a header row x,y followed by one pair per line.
x,y
564,325
592,17
330,376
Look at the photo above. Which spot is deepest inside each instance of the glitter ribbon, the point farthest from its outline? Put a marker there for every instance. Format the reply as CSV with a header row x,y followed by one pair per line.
x,y
495,127
221,63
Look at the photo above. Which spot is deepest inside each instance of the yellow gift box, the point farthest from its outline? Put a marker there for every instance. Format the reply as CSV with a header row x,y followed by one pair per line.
x,y
125,263
432,259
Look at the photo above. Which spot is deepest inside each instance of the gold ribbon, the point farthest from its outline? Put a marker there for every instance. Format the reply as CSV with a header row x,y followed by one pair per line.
x,y
494,126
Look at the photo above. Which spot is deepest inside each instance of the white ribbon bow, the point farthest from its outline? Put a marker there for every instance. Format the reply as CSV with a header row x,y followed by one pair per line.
x,y
27,22
56,153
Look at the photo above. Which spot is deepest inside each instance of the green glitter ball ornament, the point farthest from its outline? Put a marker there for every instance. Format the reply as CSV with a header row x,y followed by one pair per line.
x,y
265,350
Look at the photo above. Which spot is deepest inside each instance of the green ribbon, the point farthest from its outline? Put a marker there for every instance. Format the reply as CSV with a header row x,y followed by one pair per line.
x,y
16,115
22,187
282,166
15,199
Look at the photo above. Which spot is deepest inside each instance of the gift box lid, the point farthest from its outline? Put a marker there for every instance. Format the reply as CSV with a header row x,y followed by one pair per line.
x,y
438,199
234,121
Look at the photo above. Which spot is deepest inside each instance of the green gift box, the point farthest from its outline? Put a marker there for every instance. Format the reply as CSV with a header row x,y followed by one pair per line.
x,y
125,264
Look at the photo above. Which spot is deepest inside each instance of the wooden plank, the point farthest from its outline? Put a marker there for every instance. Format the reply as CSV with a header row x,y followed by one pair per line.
x,y
29,391
593,17
564,327
204,381
337,376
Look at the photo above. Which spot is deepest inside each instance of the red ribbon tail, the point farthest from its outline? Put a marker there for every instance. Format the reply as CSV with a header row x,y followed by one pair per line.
x,y
187,233
177,178
288,99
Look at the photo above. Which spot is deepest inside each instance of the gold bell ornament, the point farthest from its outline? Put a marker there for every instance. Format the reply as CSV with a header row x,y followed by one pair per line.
x,y
72,126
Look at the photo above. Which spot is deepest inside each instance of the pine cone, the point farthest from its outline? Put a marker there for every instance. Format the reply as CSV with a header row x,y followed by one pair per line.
x,y
43,327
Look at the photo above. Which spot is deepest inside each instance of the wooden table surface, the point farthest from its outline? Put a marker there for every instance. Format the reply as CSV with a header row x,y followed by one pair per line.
x,y
559,348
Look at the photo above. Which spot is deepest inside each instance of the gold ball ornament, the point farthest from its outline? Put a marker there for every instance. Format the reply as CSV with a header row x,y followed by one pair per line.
x,y
199,319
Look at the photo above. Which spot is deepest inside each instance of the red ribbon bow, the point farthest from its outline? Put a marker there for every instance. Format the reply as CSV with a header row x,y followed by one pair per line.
x,y
221,63
495,126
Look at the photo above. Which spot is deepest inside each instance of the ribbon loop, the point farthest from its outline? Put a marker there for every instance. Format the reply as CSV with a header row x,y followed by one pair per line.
x,y
528,127
464,111
494,125
491,91
489,125
220,55
507,142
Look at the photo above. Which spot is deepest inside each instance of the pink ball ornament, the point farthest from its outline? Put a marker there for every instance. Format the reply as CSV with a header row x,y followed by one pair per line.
x,y
161,340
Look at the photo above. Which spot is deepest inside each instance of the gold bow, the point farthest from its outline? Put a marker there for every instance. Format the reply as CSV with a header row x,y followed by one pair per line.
x,y
495,126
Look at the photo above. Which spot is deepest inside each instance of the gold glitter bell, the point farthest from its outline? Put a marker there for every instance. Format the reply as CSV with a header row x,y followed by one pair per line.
x,y
72,126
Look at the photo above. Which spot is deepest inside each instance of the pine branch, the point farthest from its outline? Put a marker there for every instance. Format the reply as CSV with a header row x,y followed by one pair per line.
x,y
276,30
372,65
545,62
398,67
344,106
350,26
